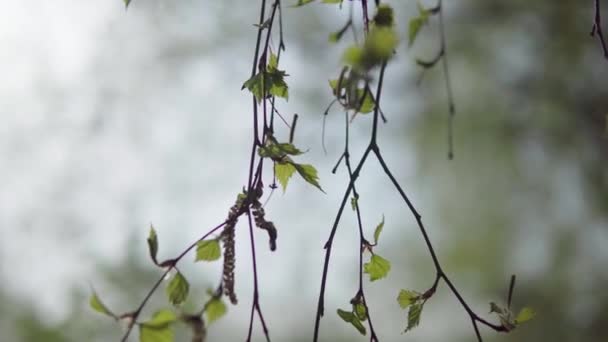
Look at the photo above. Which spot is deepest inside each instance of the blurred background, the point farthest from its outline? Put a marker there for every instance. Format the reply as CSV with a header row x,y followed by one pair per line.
x,y
114,120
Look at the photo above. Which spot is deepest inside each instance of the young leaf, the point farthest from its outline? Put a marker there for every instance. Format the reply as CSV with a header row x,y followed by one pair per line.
x,y
350,317
278,87
366,101
413,316
407,298
360,311
309,173
153,244
358,325
208,250
151,334
256,85
377,267
273,62
353,56
177,290
215,309
161,319
97,305
378,230
346,316
416,24
302,3
524,315
283,172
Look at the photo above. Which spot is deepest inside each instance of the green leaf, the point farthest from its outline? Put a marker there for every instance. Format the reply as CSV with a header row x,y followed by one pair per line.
x,y
353,55
332,1
127,2
378,230
97,305
256,86
161,319
380,44
208,250
416,23
215,309
407,298
333,84
302,3
278,87
346,316
309,173
413,316
283,172
149,334
525,315
177,290
334,37
273,62
377,267
153,244
358,325
158,328
350,317
360,311
368,103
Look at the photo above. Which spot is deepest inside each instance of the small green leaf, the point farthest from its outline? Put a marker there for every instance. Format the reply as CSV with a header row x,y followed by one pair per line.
x,y
150,334
309,173
158,328
302,3
350,317
416,24
127,2
346,316
283,172
177,290
161,319
378,230
524,315
208,250
413,316
353,55
256,86
366,101
273,62
153,244
407,298
380,44
358,325
377,267
215,309
97,305
360,311
278,87
334,37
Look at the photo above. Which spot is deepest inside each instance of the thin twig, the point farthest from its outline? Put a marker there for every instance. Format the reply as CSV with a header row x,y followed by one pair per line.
x,y
597,28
